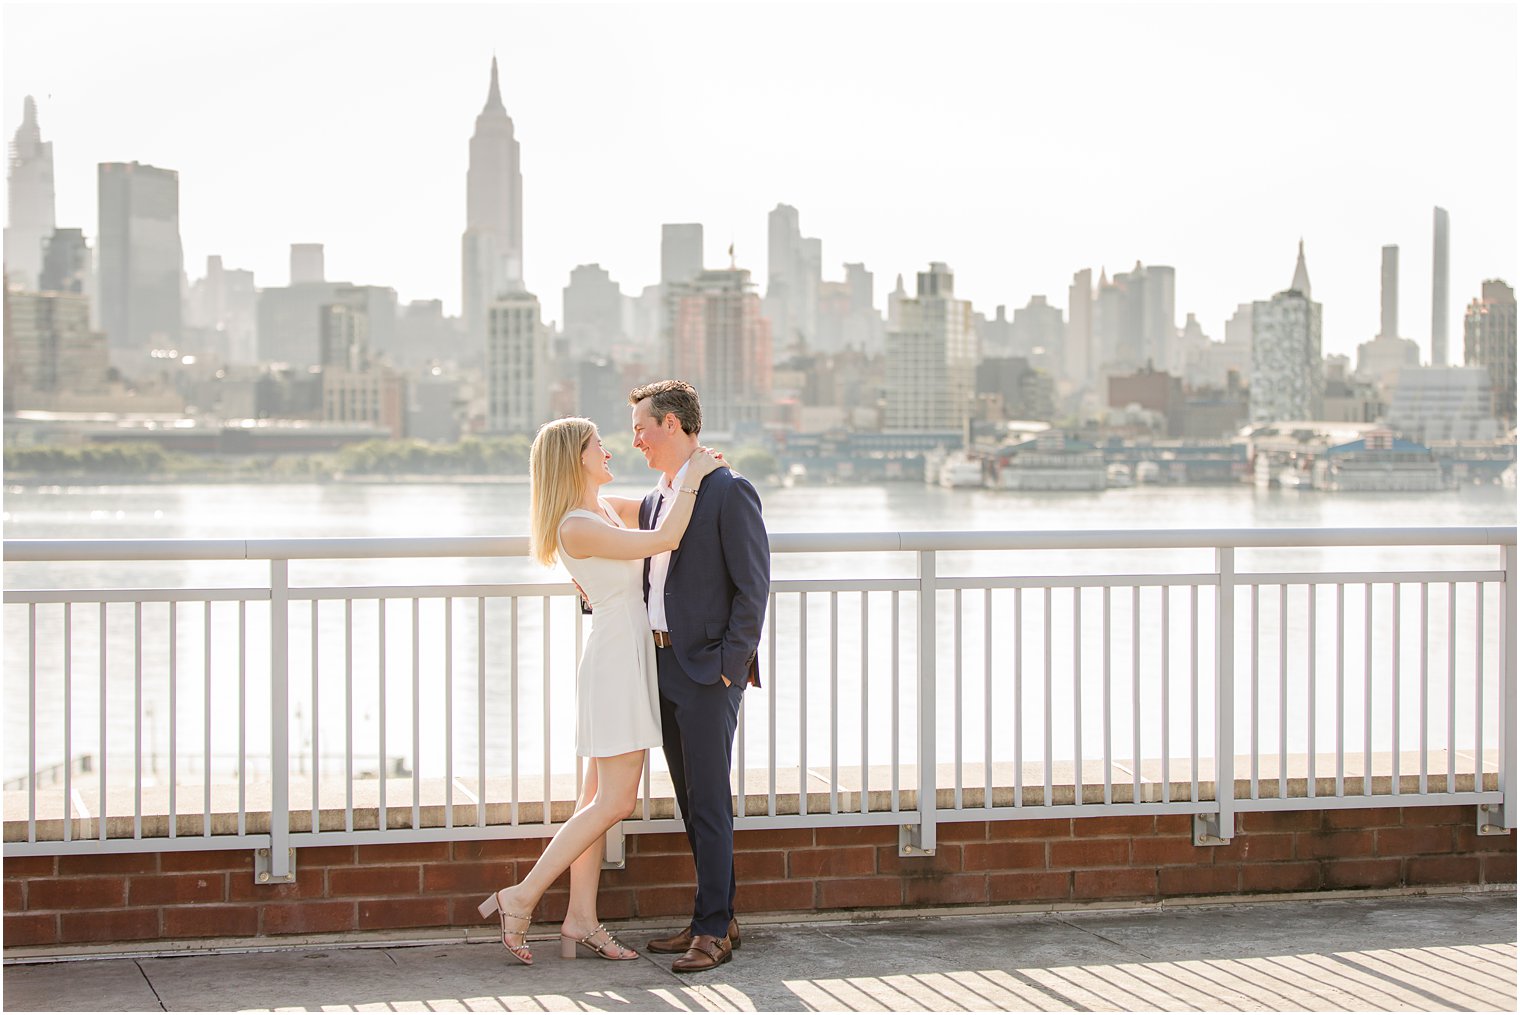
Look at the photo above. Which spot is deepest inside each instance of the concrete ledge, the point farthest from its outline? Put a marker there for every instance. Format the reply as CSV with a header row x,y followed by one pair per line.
x,y
848,787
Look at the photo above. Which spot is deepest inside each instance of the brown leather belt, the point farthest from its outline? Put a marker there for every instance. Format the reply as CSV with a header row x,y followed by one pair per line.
x,y
661,639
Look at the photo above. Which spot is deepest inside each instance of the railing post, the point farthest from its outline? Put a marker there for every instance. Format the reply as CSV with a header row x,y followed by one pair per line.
x,y
614,849
1219,828
919,840
279,868
1508,770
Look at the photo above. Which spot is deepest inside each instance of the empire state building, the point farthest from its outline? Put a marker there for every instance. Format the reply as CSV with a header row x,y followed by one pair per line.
x,y
492,244
30,186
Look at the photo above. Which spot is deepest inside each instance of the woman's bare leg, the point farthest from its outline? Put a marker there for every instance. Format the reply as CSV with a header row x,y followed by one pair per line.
x,y
617,782
585,872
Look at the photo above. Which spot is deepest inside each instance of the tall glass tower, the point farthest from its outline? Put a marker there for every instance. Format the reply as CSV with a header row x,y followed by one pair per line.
x,y
141,260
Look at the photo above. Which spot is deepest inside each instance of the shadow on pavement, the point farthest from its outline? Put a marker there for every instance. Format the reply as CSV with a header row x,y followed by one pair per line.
x,y
1401,953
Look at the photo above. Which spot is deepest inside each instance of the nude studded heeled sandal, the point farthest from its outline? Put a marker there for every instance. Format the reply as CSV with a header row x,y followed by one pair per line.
x,y
521,952
611,948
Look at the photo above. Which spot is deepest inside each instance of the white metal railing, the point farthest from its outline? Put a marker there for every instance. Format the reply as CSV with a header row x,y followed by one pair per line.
x,y
1169,688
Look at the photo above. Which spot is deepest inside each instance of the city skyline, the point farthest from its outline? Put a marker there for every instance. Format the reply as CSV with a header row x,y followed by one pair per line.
x,y
894,198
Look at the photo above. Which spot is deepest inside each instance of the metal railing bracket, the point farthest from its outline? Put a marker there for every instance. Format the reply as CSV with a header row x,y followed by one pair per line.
x,y
263,874
910,841
614,849
1490,820
1207,832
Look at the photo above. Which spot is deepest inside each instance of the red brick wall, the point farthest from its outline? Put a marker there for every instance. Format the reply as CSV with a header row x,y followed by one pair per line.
x,y
157,896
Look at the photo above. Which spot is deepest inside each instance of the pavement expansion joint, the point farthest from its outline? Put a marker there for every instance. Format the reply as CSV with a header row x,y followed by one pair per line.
x,y
1102,937
149,982
825,932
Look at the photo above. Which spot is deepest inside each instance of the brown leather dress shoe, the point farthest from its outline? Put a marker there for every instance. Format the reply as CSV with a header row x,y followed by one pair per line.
x,y
706,952
680,942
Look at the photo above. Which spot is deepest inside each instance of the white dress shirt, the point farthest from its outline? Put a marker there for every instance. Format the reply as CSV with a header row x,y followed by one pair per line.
x,y
659,564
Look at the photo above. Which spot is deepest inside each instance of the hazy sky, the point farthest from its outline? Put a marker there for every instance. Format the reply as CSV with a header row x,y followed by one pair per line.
x,y
1018,142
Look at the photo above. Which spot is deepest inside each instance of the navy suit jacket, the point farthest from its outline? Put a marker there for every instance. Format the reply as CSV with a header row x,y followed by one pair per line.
x,y
719,580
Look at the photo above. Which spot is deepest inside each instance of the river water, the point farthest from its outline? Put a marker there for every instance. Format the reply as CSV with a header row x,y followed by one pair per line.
x,y
993,689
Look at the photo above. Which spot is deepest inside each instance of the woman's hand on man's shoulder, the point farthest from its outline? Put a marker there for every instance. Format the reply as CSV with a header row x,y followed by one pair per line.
x,y
704,462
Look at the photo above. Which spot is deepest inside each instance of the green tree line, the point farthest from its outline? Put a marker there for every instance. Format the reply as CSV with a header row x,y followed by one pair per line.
x,y
114,459
472,456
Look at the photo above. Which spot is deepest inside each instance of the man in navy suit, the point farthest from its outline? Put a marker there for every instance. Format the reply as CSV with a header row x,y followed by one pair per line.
x,y
706,604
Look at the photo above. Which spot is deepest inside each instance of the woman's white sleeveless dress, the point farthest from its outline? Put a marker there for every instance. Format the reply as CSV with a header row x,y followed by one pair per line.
x,y
617,692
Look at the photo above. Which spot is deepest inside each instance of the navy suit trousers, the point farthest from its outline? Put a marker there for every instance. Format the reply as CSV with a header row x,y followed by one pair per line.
x,y
699,721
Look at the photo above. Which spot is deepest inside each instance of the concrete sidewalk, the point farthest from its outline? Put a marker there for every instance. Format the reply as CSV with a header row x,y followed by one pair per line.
x,y
1395,953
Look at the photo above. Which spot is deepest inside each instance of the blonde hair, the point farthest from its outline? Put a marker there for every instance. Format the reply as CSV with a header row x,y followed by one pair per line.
x,y
556,482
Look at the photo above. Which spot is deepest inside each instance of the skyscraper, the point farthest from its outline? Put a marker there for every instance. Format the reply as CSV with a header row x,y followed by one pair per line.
x,y
593,307
1439,281
680,261
425,336
1388,318
1381,359
1287,377
1135,320
810,277
30,194
1079,328
1489,341
680,251
1038,332
356,386
65,263
50,349
895,300
344,338
847,318
862,286
783,235
722,344
1159,318
222,314
492,246
1210,363
1237,329
308,263
1116,323
931,357
601,395
517,364
290,319
141,260
795,270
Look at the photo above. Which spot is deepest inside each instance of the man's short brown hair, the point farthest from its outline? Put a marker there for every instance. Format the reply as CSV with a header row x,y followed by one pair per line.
x,y
671,396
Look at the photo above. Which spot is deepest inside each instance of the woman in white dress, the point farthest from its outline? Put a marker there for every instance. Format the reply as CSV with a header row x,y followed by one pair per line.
x,y
617,700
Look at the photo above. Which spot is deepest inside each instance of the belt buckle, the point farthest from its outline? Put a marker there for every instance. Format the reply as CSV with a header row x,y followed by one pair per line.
x,y
661,639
